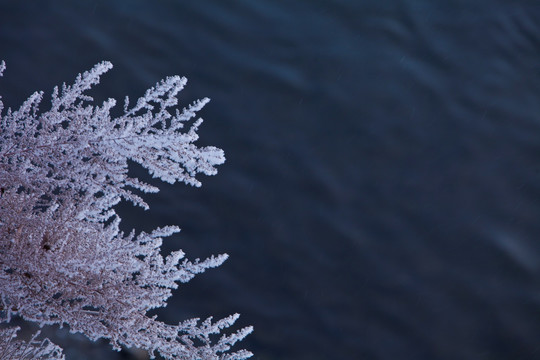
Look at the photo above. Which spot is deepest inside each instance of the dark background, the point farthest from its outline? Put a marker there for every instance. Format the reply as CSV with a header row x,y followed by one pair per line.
x,y
381,195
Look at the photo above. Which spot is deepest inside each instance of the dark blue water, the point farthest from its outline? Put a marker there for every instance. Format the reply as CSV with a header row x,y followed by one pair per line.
x,y
381,197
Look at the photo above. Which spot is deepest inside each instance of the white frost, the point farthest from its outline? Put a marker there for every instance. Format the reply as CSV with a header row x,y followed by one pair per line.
x,y
63,259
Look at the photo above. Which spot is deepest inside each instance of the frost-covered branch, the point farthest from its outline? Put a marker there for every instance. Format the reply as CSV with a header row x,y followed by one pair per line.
x,y
34,349
63,259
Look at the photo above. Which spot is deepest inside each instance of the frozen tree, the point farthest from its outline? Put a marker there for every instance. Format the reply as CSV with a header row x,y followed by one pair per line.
x,y
63,259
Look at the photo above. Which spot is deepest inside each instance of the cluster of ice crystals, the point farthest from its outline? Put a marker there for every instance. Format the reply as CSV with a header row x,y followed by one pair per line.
x,y
63,259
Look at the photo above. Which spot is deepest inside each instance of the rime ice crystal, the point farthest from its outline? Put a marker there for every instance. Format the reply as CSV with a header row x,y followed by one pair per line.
x,y
63,259
12,348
